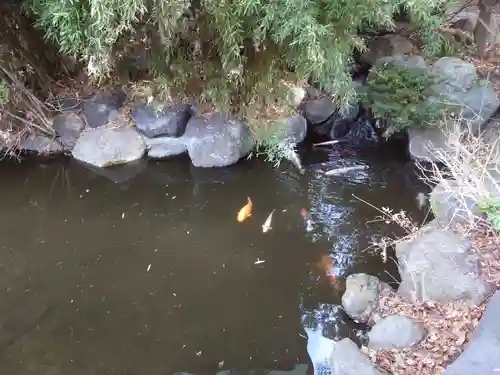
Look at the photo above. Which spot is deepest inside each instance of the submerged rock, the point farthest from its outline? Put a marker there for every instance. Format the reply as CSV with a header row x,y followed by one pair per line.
x,y
103,108
170,121
482,353
396,332
347,359
361,296
104,147
41,145
438,265
217,141
165,147
118,173
68,128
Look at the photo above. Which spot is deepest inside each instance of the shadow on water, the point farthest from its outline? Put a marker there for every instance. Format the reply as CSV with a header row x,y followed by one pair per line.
x,y
146,271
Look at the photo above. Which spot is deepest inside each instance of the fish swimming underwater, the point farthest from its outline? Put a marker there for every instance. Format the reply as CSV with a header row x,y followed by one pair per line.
x,y
245,212
326,264
307,220
267,224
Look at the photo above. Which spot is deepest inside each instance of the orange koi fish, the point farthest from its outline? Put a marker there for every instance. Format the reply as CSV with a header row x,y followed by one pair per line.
x,y
326,265
245,212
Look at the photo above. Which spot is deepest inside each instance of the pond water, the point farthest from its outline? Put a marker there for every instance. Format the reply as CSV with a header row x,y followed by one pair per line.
x,y
153,274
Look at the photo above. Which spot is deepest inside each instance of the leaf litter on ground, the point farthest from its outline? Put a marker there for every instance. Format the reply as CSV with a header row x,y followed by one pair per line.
x,y
449,325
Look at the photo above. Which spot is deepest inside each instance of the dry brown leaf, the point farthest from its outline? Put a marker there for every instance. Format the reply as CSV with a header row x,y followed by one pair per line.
x,y
448,325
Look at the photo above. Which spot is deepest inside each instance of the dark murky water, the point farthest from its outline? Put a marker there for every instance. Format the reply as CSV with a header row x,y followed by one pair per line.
x,y
154,275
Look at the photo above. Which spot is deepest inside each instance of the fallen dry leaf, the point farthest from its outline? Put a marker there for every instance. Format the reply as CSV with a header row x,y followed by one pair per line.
x,y
448,325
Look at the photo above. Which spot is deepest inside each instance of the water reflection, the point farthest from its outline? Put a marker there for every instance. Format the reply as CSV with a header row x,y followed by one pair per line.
x,y
152,274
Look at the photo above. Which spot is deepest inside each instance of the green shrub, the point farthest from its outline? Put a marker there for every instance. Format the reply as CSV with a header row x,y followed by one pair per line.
x,y
238,51
399,97
491,208
238,55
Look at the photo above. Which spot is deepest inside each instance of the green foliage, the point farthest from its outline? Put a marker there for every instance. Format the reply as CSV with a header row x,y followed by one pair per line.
x,y
398,96
491,207
237,55
229,46
270,141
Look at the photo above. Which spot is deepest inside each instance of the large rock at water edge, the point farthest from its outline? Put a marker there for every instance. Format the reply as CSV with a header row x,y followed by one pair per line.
x,y
473,100
423,143
293,128
326,119
396,332
103,108
347,359
450,206
165,147
170,121
68,127
361,296
217,141
482,353
317,111
438,265
104,147
41,145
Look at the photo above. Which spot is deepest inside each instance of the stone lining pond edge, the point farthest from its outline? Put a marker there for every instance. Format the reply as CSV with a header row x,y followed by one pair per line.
x,y
219,140
436,265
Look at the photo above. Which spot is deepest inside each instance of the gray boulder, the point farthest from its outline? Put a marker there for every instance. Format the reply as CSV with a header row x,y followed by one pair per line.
x,y
387,45
217,141
482,353
438,265
41,145
450,207
423,142
456,74
170,121
294,128
103,108
396,332
317,111
165,147
104,147
473,100
475,106
327,120
361,296
347,359
68,128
